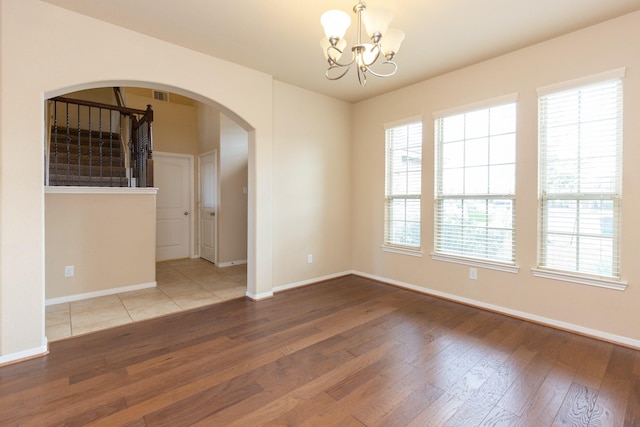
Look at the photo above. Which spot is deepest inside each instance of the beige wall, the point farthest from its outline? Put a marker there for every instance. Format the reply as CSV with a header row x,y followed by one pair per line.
x,y
311,185
175,126
232,176
208,128
104,95
593,50
108,238
25,62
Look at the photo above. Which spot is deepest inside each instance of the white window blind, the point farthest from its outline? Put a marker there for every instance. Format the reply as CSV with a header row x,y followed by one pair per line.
x,y
580,179
475,183
403,185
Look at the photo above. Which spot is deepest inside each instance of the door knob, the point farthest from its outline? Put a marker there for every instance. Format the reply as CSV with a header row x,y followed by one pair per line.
x,y
186,213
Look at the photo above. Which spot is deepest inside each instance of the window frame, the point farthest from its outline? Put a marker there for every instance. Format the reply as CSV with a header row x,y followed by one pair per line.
x,y
613,281
439,196
389,245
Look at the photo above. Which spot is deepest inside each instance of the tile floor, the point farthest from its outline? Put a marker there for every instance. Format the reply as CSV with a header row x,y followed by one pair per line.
x,y
182,285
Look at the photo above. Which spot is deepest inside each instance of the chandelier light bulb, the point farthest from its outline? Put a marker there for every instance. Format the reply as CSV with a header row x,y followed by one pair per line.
x,y
377,21
368,54
335,23
392,41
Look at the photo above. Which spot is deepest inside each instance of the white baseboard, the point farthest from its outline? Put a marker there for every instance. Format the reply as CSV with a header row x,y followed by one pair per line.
x,y
265,295
110,291
259,297
558,324
310,281
25,354
230,263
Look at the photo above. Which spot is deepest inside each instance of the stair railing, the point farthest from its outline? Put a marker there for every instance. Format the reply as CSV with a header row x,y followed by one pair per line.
x,y
92,144
141,148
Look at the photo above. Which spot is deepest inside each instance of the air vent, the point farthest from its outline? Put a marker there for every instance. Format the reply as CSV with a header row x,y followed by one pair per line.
x,y
160,96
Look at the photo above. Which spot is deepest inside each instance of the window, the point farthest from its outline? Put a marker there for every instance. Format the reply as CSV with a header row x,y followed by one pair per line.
x,y
403,185
580,180
475,182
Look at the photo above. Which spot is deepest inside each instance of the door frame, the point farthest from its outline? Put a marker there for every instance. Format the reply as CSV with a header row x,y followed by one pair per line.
x,y
192,215
199,204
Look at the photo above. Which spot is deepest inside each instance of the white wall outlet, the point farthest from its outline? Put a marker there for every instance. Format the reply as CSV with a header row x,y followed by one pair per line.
x,y
68,271
309,259
473,273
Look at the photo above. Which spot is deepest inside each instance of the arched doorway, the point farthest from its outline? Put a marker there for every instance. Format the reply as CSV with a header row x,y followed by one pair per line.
x,y
103,307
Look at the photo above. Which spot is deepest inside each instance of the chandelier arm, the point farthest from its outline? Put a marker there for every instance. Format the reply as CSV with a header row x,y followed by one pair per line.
x,y
395,68
362,76
334,63
377,49
333,67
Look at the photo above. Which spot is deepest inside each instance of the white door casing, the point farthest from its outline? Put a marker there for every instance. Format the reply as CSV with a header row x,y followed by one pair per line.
x,y
173,176
207,165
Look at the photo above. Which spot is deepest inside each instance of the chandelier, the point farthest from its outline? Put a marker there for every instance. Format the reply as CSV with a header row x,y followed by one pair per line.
x,y
384,44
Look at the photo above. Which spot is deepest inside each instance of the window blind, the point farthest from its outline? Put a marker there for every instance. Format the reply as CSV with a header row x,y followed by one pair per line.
x,y
580,179
475,183
403,171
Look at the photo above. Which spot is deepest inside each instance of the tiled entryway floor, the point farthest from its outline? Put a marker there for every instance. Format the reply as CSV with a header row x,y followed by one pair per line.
x,y
182,285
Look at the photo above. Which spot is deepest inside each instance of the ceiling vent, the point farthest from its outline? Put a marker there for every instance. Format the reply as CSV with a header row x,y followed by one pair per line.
x,y
160,96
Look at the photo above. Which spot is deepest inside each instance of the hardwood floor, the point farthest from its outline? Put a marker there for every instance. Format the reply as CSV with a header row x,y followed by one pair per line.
x,y
348,352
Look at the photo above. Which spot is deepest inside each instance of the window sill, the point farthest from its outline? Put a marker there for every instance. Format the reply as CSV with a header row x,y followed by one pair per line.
x,y
507,268
583,280
402,251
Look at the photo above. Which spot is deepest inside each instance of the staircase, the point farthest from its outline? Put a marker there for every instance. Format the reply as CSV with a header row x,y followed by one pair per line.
x,y
86,158
110,146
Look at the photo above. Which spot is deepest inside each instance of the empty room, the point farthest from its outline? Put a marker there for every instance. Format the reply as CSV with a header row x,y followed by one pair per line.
x,y
392,213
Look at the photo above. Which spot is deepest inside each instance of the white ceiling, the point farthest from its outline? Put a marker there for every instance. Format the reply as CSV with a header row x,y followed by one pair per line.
x,y
281,37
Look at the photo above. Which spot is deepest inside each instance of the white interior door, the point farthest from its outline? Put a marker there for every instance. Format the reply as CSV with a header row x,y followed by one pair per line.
x,y
173,178
208,205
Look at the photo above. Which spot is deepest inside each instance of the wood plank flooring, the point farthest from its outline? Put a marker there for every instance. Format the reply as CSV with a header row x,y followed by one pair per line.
x,y
347,352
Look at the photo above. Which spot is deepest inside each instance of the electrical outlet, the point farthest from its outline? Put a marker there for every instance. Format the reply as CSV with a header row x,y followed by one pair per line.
x,y
309,259
473,273
69,271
